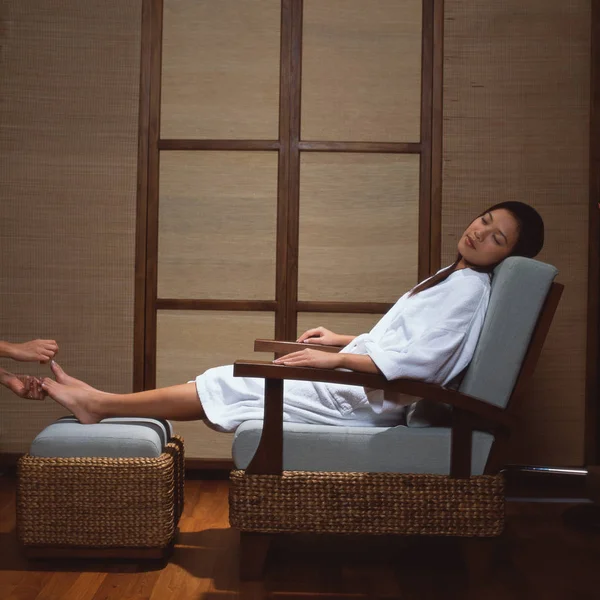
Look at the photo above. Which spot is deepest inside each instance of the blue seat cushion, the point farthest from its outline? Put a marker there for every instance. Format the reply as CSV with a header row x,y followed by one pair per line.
x,y
397,449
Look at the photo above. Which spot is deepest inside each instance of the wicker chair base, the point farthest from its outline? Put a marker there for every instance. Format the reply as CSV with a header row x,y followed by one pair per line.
x,y
369,503
100,503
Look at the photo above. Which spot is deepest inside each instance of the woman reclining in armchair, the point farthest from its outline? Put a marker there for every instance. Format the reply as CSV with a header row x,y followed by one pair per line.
x,y
429,334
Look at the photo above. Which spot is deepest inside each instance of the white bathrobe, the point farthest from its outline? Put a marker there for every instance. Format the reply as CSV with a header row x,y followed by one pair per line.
x,y
430,336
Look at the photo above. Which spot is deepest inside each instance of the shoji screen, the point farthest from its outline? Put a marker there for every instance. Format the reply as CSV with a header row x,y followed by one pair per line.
x,y
293,179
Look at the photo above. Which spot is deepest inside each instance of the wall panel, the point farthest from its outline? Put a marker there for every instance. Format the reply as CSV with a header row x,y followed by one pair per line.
x,y
68,174
217,223
516,127
188,343
220,76
358,226
361,71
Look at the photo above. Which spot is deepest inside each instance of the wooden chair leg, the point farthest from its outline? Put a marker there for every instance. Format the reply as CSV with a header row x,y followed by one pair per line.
x,y
254,548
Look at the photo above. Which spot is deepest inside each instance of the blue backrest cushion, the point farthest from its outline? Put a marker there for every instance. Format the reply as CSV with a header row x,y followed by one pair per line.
x,y
519,289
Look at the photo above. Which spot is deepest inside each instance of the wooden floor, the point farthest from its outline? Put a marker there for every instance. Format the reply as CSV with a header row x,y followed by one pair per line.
x,y
537,557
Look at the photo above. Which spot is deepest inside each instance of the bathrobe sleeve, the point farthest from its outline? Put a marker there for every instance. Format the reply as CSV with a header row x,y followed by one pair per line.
x,y
445,342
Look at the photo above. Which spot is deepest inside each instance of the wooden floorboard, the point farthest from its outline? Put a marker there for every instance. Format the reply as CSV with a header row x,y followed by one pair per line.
x,y
538,556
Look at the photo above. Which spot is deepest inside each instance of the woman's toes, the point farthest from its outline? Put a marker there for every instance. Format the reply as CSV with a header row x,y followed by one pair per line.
x,y
47,383
66,379
57,370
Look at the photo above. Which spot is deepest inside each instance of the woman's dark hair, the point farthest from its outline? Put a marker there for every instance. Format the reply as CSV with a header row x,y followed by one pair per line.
x,y
529,242
531,227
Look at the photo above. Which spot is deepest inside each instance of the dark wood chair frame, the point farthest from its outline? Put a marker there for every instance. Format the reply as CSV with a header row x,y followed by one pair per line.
x,y
468,414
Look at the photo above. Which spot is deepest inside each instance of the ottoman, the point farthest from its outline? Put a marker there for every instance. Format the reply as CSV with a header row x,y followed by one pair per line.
x,y
112,489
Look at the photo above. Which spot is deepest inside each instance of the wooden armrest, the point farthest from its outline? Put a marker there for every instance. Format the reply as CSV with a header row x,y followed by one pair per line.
x,y
281,347
412,387
268,370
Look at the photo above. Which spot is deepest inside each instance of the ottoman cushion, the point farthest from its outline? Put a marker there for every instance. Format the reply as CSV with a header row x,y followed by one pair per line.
x,y
123,437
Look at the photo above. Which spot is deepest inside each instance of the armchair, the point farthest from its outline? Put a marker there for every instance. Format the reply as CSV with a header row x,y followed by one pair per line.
x,y
437,480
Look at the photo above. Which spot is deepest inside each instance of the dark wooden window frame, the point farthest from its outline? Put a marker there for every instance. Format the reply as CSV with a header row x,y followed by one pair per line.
x,y
288,146
592,417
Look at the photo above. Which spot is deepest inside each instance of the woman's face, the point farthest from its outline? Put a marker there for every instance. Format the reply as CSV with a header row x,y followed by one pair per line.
x,y
489,238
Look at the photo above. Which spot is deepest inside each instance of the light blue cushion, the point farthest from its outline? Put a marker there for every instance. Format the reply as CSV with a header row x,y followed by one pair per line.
x,y
519,289
397,449
123,437
163,427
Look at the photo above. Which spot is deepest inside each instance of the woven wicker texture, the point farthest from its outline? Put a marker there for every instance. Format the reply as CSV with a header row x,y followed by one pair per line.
x,y
516,127
100,502
376,503
176,448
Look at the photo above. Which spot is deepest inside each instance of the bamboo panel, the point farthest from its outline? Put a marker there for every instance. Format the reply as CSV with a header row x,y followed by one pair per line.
x,y
516,127
347,324
188,343
358,226
361,70
68,176
217,225
220,69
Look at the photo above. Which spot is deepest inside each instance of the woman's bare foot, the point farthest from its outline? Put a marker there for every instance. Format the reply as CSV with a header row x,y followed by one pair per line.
x,y
80,401
65,379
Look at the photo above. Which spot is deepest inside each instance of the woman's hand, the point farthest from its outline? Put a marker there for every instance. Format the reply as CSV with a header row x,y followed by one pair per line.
x,y
310,358
35,350
320,335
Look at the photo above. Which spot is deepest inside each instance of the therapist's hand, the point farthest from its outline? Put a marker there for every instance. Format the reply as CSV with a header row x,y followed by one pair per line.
x,y
35,350
24,386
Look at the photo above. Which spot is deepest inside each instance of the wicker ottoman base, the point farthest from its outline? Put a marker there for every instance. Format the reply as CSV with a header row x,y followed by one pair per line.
x,y
100,506
370,503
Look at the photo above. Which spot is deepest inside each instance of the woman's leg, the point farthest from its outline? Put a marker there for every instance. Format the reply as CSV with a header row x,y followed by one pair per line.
x,y
178,402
